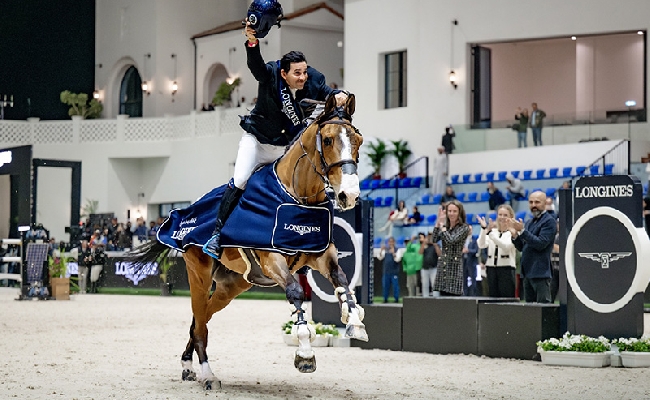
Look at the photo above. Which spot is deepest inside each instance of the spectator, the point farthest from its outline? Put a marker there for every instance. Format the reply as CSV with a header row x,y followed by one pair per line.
x,y
452,230
515,188
550,206
391,257
448,140
496,197
151,233
535,241
98,262
448,196
84,262
440,166
522,127
140,231
501,253
429,266
536,123
122,239
412,262
396,217
414,218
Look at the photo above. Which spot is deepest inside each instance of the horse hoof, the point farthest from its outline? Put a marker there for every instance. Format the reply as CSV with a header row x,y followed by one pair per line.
x,y
305,365
207,385
356,332
189,375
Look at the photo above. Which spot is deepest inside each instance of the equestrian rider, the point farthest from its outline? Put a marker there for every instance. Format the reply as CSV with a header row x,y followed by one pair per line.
x,y
275,120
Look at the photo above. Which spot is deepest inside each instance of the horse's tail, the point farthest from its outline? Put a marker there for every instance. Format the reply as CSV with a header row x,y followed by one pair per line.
x,y
145,254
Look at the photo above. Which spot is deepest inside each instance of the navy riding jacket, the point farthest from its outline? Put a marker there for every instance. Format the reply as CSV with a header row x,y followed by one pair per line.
x,y
267,121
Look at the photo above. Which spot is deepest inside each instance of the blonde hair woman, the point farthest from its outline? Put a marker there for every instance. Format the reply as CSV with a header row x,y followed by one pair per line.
x,y
501,253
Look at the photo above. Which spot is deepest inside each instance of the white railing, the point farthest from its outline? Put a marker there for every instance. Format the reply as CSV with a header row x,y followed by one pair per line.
x,y
121,129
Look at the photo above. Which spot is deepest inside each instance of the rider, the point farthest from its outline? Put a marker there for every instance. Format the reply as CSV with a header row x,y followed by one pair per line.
x,y
276,118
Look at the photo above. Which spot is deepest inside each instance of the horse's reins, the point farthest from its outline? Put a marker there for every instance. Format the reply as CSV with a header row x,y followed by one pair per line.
x,y
348,166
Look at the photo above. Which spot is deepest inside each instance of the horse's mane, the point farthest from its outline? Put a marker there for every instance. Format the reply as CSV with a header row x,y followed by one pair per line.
x,y
338,111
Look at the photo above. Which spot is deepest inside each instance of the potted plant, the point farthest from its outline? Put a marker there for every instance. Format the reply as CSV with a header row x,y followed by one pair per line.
x,y
634,352
576,350
164,264
377,152
402,153
223,94
79,105
57,267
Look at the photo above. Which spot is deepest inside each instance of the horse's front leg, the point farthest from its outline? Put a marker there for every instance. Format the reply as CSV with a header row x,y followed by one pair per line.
x,y
199,274
351,312
275,267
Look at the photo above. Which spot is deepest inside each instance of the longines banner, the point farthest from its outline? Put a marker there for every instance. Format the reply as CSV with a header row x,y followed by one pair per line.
x,y
604,257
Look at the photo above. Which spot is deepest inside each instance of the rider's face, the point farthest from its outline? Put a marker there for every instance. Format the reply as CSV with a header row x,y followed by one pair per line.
x,y
297,75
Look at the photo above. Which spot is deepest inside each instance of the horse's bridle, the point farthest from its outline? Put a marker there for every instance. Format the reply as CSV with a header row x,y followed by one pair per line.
x,y
348,166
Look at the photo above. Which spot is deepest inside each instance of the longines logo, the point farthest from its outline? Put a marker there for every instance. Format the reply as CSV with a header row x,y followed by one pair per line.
x,y
604,191
180,234
126,268
301,229
605,258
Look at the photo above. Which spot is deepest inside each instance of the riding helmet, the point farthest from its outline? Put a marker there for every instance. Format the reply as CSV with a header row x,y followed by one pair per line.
x,y
262,15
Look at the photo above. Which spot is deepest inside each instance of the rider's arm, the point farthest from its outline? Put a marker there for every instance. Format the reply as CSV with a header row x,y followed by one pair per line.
x,y
261,71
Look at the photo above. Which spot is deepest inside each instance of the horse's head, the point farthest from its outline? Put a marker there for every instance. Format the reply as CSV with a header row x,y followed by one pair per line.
x,y
338,142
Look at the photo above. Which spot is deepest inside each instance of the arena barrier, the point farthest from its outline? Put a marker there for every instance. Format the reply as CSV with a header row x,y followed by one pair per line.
x,y
17,277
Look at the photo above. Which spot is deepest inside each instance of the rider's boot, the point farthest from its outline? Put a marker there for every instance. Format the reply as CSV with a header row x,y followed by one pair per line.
x,y
228,202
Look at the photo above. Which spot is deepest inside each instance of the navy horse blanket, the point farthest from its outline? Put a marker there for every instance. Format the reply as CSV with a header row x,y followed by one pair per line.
x,y
267,217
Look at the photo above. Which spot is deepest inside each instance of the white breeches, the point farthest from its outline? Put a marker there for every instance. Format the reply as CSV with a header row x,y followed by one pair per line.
x,y
251,155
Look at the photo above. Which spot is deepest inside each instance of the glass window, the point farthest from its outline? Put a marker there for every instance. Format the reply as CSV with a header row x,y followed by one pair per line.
x,y
395,80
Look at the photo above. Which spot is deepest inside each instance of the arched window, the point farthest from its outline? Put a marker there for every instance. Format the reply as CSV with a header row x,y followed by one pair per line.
x,y
131,93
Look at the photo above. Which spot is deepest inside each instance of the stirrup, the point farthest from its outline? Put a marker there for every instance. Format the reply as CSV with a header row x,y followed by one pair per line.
x,y
212,248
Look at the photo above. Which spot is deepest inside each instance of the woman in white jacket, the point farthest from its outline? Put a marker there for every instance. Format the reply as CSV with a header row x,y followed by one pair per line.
x,y
501,253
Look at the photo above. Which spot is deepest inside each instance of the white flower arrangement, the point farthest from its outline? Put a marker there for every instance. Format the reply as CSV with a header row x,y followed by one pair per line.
x,y
581,343
633,344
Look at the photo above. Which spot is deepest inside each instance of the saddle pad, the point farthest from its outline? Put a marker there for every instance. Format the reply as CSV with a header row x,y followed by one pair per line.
x,y
265,218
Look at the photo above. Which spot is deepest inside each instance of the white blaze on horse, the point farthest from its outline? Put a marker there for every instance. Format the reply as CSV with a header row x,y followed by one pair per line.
x,y
324,156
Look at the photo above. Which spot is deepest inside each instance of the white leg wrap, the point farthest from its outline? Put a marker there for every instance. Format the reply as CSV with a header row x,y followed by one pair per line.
x,y
345,310
305,334
206,372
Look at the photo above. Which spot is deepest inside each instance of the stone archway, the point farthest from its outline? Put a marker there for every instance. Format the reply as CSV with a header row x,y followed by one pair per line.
x,y
217,73
112,94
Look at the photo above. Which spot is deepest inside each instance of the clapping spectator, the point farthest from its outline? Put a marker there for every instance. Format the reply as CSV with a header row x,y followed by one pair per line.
x,y
522,127
501,253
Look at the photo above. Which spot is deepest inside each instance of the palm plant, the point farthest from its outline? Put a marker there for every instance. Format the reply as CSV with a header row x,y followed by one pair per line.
x,y
402,153
377,152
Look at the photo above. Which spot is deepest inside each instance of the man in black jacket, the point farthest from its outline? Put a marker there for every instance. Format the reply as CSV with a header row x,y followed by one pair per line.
x,y
535,241
273,123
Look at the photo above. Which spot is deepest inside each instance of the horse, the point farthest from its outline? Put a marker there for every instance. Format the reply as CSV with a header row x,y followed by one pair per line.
x,y
324,156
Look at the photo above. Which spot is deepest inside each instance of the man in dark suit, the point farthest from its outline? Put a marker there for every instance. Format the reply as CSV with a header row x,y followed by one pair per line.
x,y
535,241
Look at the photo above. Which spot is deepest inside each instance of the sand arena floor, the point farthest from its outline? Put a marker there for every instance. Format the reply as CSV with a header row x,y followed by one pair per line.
x,y
129,347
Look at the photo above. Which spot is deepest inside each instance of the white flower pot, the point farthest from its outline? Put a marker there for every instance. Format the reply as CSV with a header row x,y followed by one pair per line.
x,y
635,359
576,359
289,340
340,341
321,341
